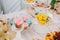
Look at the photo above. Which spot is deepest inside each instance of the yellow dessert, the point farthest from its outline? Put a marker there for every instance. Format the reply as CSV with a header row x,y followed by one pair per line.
x,y
42,18
49,36
1,33
6,37
29,1
3,30
53,36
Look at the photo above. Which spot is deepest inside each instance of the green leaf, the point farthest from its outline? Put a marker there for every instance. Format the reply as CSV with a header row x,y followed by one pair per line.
x,y
52,4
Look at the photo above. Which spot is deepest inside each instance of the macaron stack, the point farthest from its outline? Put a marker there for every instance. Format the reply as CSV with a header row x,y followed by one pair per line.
x,y
21,21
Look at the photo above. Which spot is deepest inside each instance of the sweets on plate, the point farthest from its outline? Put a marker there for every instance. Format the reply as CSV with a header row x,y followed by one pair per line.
x,y
25,26
4,30
53,36
11,21
24,18
4,26
29,22
22,21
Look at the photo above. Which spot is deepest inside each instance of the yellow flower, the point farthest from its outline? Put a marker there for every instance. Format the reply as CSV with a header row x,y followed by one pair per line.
x,y
42,22
29,1
42,18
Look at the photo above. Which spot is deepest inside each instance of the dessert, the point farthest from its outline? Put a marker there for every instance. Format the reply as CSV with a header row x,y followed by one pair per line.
x,y
11,22
53,36
18,22
42,18
29,22
4,30
4,26
6,37
24,18
25,26
22,21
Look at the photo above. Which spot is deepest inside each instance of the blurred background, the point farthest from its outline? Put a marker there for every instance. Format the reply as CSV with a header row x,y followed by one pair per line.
x,y
7,6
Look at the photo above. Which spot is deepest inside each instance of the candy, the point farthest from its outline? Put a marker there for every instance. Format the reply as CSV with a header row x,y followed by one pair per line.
x,y
29,22
24,18
1,33
6,37
11,22
18,25
53,36
25,26
5,28
18,22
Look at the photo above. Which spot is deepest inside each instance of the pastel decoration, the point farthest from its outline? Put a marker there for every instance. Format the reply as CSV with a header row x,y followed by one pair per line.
x,y
37,10
11,22
29,22
18,22
24,18
25,26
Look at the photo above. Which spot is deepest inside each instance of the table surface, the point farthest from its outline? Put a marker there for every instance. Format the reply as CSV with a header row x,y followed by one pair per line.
x,y
36,30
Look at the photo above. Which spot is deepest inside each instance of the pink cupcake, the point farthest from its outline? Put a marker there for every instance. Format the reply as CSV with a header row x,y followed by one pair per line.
x,y
25,26
18,22
24,18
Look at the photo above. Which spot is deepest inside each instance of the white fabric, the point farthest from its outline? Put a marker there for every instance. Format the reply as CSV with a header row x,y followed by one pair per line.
x,y
0,7
1,11
11,5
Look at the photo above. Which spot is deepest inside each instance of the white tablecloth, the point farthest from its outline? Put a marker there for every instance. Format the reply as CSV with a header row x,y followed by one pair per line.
x,y
31,32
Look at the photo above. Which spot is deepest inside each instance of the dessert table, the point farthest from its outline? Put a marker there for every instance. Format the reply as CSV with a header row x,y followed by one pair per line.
x,y
36,31
27,34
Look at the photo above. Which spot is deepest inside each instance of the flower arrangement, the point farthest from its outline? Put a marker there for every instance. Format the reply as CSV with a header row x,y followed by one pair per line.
x,y
42,18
